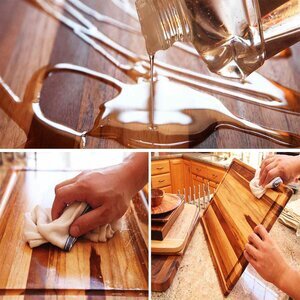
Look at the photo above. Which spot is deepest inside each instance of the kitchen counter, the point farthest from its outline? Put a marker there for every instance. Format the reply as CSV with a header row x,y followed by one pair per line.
x,y
199,157
196,276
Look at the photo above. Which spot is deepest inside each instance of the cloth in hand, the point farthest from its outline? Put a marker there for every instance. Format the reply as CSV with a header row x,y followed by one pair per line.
x,y
40,229
258,190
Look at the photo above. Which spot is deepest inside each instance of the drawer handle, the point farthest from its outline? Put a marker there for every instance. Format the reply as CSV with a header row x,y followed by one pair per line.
x,y
161,181
159,168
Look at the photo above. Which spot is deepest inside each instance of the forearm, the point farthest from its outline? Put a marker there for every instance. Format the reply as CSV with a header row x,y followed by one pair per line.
x,y
290,282
297,166
135,171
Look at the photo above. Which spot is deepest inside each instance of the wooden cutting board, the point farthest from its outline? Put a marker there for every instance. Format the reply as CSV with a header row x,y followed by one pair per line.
x,y
163,218
176,239
164,268
231,217
118,267
160,230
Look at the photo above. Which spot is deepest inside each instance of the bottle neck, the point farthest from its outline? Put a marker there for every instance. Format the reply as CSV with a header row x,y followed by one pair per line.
x,y
281,25
163,22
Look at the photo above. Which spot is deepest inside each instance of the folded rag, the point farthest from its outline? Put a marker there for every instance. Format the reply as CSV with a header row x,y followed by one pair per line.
x,y
290,215
257,190
40,229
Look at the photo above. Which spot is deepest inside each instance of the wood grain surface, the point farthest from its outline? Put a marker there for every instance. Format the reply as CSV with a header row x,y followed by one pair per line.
x,y
164,267
177,237
161,227
118,268
30,39
231,217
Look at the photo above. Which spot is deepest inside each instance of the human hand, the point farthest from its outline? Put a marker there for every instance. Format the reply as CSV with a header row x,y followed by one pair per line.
x,y
284,166
264,255
105,193
108,191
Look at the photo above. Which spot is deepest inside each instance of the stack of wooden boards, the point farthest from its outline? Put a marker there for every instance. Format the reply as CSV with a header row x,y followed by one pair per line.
x,y
170,234
170,231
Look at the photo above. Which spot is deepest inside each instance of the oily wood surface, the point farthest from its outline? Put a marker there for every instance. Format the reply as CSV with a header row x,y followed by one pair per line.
x,y
118,267
232,215
30,39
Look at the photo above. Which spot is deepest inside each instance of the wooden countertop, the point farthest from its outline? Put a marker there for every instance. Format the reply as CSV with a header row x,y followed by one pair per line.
x,y
31,39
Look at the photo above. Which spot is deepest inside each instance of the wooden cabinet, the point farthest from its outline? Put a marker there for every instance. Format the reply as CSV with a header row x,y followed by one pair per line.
x,y
160,167
167,189
162,180
185,175
177,178
160,175
208,172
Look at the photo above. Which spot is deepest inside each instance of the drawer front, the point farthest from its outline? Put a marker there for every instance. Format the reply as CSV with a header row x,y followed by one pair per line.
x,y
159,181
160,167
198,169
197,179
211,173
214,174
167,189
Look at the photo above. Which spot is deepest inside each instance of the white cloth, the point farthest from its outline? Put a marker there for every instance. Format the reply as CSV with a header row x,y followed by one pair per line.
x,y
40,229
257,190
290,215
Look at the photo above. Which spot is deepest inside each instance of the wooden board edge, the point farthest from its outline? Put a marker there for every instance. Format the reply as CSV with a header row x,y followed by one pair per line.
x,y
9,181
168,281
225,289
183,242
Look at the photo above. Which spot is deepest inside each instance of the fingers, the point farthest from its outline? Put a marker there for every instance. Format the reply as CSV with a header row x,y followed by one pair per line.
x,y
252,251
249,258
90,221
64,183
65,196
262,232
266,161
271,175
267,172
255,240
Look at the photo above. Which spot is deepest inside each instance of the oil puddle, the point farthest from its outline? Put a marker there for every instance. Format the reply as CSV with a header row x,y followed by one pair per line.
x,y
176,115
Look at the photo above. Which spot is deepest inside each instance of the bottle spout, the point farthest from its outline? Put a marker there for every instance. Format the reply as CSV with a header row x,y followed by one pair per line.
x,y
281,25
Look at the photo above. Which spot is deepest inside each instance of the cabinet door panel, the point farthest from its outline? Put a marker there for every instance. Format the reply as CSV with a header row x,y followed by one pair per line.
x,y
167,189
177,175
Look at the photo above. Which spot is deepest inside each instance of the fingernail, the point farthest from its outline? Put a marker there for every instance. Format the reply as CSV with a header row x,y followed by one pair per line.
x,y
74,231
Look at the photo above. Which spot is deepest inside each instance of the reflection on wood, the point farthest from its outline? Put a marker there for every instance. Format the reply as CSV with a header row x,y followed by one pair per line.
x,y
118,267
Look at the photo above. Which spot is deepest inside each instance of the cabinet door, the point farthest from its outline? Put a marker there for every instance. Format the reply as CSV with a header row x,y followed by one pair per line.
x,y
187,174
167,189
177,175
196,190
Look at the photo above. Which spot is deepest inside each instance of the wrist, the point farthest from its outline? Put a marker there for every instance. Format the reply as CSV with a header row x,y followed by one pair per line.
x,y
282,281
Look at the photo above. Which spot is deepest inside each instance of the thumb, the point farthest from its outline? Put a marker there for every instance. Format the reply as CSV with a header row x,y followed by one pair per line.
x,y
90,221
